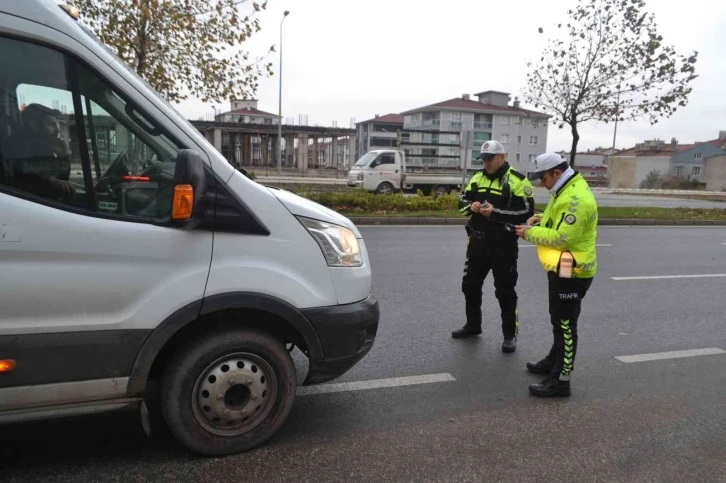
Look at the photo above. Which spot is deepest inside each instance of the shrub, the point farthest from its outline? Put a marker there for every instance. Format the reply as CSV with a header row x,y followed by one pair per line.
x,y
677,182
652,181
656,180
363,201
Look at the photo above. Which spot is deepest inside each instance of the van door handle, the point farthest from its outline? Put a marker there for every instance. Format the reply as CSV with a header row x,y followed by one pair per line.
x,y
9,235
396,171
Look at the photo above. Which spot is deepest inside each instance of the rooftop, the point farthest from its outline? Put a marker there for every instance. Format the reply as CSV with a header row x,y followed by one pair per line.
x,y
491,92
475,106
662,150
388,118
250,111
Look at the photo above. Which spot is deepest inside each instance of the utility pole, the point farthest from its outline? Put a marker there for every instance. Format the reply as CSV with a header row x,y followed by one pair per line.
x,y
279,120
612,152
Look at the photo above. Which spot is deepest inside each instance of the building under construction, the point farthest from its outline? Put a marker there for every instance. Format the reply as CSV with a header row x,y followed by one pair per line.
x,y
306,150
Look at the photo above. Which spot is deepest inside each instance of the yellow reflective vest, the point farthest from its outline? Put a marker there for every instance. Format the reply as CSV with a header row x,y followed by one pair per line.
x,y
569,223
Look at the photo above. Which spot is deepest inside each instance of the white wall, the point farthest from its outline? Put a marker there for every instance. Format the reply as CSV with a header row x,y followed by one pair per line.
x,y
647,164
587,159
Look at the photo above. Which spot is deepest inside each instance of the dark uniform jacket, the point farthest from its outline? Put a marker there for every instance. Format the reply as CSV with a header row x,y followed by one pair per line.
x,y
511,195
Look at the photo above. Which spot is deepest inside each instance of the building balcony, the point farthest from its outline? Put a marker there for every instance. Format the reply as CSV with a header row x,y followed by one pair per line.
x,y
483,126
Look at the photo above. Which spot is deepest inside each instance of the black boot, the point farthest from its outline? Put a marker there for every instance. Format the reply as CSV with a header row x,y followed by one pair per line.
x,y
509,345
466,331
551,387
544,366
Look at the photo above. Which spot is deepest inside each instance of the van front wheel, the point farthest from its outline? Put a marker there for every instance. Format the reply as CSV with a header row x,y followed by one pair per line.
x,y
228,391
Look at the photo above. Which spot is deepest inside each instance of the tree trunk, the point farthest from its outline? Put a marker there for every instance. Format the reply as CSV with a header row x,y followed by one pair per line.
x,y
575,140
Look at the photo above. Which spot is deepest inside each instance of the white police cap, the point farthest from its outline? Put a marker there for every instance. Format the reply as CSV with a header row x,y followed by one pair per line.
x,y
547,161
490,149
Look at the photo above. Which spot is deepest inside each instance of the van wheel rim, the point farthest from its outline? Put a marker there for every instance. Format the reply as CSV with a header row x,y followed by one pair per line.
x,y
385,189
234,394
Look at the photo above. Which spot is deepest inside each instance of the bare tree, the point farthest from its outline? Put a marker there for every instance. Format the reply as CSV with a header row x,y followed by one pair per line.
x,y
183,47
612,65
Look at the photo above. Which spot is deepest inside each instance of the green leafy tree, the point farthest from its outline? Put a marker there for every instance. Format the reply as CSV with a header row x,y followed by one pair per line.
x,y
609,64
183,47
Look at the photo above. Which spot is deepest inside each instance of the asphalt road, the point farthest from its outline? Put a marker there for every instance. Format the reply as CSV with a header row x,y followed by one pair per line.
x,y
656,421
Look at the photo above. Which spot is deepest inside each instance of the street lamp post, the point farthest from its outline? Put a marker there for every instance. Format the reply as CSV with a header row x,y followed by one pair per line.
x,y
279,121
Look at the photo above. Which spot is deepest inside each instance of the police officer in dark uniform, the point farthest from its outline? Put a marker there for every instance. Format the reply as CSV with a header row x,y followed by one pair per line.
x,y
496,198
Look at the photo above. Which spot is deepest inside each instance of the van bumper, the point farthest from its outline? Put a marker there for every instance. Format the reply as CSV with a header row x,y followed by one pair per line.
x,y
346,334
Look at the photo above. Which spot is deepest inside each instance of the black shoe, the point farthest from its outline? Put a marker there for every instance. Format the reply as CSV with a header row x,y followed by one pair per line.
x,y
509,345
542,367
466,331
551,387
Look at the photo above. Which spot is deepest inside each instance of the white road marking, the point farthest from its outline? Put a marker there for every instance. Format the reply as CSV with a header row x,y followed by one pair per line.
x,y
374,384
660,277
670,355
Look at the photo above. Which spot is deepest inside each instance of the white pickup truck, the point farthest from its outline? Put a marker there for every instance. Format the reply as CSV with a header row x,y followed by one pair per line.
x,y
384,171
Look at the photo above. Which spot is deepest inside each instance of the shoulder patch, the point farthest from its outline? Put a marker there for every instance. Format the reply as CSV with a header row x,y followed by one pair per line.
x,y
528,190
517,174
570,219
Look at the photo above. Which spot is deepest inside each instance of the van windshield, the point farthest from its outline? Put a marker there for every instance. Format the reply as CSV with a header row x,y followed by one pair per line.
x,y
128,68
89,33
366,160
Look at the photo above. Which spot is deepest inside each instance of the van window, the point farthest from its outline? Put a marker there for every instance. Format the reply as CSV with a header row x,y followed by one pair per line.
x,y
68,139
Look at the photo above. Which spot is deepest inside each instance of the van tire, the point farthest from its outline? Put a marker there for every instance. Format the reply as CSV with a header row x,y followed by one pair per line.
x,y
186,390
384,188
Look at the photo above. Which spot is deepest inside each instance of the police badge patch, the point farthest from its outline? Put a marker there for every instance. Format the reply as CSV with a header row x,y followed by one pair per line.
x,y
570,219
528,191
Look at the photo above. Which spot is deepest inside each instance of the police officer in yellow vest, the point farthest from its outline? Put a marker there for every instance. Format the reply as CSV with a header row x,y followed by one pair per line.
x,y
497,198
565,236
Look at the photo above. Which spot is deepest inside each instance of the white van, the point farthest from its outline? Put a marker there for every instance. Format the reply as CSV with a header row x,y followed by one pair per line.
x,y
139,269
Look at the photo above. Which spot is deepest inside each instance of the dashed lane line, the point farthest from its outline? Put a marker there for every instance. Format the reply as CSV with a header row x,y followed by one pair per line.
x,y
657,356
662,277
374,384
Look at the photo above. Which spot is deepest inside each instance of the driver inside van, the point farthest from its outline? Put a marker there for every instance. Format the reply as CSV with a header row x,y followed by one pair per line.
x,y
36,159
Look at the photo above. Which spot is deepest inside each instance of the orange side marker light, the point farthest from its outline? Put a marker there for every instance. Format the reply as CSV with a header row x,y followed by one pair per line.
x,y
181,208
7,365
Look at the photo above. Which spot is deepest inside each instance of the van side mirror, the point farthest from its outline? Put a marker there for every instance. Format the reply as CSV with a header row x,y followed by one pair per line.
x,y
189,187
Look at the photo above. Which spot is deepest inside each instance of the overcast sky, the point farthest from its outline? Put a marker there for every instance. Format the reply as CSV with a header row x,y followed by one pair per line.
x,y
346,59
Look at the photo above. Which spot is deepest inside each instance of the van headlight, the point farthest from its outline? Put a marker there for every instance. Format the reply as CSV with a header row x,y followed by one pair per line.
x,y
339,244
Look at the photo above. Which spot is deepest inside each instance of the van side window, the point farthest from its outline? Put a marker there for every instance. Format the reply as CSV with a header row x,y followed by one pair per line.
x,y
69,140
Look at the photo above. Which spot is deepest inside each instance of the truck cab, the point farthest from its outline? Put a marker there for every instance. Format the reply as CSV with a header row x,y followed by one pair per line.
x,y
140,270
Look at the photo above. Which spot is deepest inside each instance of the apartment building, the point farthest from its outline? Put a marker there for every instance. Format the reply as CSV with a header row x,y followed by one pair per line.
x,y
454,130
378,133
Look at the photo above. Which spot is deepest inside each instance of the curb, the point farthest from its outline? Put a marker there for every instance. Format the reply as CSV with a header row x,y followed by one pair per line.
x,y
430,221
